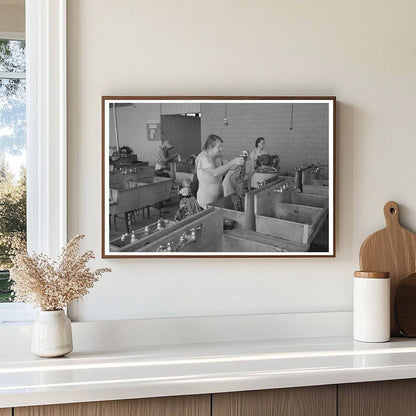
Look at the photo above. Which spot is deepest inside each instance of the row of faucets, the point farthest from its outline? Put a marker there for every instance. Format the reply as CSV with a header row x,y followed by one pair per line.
x,y
124,170
187,237
161,224
285,187
298,176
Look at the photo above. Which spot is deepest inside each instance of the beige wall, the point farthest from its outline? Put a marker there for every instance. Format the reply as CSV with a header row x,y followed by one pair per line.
x,y
12,18
361,51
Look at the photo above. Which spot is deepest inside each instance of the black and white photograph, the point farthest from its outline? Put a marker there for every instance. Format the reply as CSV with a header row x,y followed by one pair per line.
x,y
218,176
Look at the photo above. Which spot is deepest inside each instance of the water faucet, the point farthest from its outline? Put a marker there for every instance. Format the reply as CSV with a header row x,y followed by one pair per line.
x,y
161,223
165,248
285,187
316,172
294,187
161,248
193,235
187,237
183,239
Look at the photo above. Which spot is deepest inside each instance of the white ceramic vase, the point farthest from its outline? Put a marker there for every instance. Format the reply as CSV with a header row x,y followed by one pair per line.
x,y
52,334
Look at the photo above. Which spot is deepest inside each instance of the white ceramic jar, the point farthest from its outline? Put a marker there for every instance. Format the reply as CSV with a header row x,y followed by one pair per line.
x,y
52,334
371,307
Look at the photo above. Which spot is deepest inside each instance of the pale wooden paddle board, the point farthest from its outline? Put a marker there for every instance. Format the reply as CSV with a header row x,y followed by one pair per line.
x,y
393,250
405,306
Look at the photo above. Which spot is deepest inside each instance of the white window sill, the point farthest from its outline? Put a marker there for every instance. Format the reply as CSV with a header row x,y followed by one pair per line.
x,y
16,313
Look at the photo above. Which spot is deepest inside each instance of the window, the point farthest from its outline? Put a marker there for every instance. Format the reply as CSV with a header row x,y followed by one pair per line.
x,y
45,133
12,154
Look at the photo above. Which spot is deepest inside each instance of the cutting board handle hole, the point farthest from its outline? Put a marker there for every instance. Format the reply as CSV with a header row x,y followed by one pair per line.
x,y
392,211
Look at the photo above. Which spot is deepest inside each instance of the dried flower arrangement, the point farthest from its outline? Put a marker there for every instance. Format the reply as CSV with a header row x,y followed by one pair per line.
x,y
52,285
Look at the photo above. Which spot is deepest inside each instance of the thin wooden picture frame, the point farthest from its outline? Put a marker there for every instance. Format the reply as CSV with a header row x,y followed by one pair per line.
x,y
301,116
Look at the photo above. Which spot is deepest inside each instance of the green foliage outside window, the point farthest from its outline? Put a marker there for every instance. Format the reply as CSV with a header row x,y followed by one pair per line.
x,y
12,144
12,223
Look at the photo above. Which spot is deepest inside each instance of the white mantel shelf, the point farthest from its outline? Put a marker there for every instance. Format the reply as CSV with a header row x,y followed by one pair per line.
x,y
150,371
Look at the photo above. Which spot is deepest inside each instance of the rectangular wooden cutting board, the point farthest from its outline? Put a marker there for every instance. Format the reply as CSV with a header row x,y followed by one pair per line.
x,y
393,250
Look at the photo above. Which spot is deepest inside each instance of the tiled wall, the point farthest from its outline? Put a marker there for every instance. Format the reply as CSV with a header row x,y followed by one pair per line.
x,y
306,143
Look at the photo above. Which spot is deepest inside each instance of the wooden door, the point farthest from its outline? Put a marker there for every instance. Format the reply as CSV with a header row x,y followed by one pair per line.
x,y
301,401
381,398
160,406
6,412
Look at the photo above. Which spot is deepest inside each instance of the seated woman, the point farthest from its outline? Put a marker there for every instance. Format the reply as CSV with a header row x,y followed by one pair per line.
x,y
258,151
210,168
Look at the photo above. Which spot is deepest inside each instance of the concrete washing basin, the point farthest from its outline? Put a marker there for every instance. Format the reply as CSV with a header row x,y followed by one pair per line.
x,y
316,190
293,212
315,180
290,196
297,217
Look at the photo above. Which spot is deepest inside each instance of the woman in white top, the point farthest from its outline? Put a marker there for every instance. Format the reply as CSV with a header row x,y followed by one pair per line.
x,y
258,151
210,168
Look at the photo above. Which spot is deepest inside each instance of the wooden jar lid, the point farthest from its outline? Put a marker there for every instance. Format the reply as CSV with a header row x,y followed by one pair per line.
x,y
372,275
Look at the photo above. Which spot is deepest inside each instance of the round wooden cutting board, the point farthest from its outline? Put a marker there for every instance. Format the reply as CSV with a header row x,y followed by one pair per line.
x,y
393,250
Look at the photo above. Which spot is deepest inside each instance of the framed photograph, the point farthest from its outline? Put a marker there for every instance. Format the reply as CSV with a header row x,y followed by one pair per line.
x,y
218,176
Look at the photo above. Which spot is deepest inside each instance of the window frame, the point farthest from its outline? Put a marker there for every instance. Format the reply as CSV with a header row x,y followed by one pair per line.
x,y
13,35
46,127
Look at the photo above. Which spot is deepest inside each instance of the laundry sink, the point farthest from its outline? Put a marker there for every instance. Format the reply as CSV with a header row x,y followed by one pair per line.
x,y
261,178
252,241
293,212
291,196
310,200
277,215
316,180
210,236
316,189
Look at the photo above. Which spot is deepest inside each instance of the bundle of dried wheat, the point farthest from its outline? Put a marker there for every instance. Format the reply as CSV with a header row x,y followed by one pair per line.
x,y
52,285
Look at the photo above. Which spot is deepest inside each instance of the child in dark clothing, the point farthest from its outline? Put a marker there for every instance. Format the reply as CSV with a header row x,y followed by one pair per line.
x,y
187,204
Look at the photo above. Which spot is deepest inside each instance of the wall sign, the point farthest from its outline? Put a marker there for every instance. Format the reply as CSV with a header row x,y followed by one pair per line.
x,y
153,130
